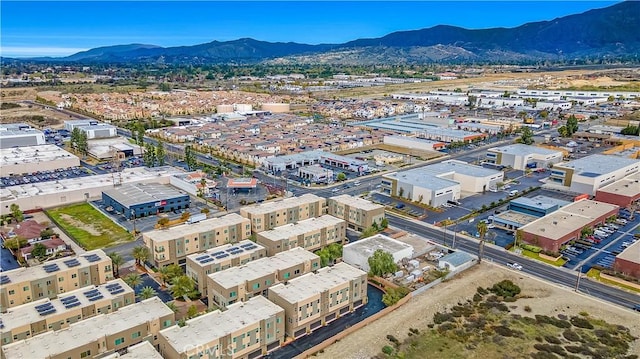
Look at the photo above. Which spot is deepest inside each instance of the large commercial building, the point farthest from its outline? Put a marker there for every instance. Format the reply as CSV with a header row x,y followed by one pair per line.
x,y
359,213
145,199
588,174
99,335
20,135
316,174
216,259
266,216
524,210
436,184
521,157
628,262
173,245
357,253
414,143
315,299
244,330
281,163
553,230
30,159
253,279
311,234
24,285
27,320
622,193
92,128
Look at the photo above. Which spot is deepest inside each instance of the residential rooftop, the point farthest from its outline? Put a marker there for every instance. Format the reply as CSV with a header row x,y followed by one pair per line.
x,y
235,276
356,202
268,207
597,165
520,149
209,327
225,252
132,194
310,284
33,154
301,227
50,344
144,350
379,241
631,253
184,230
628,186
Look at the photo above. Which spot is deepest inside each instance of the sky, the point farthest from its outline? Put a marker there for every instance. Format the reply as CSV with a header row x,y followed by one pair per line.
x,y
59,28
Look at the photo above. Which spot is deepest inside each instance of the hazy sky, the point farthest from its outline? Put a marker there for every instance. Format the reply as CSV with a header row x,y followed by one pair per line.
x,y
57,28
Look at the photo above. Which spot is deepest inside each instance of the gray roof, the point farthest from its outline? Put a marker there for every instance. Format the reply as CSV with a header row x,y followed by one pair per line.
x,y
422,177
597,165
542,202
461,168
520,149
457,258
137,193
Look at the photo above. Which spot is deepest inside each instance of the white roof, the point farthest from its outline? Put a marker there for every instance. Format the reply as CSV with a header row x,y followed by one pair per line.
x,y
301,227
356,202
33,154
290,202
207,225
379,241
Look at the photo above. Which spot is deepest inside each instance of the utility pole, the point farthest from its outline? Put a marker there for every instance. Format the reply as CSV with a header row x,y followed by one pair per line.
x,y
133,214
578,278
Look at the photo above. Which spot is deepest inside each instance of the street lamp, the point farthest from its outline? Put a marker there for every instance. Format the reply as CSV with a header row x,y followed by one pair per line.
x,y
133,214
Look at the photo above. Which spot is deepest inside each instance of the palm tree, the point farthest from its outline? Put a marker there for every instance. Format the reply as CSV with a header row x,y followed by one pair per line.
x,y
133,280
116,262
482,231
140,254
172,306
182,285
147,292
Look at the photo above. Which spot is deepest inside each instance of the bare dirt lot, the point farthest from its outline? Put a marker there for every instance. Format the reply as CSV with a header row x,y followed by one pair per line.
x,y
546,299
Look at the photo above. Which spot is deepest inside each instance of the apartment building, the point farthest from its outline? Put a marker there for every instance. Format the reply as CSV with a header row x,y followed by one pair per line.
x,y
216,259
315,299
244,330
359,213
266,216
24,285
27,320
173,245
102,334
253,279
311,234
142,350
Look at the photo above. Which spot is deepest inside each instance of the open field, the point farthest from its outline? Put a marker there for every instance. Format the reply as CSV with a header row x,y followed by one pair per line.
x,y
88,227
542,299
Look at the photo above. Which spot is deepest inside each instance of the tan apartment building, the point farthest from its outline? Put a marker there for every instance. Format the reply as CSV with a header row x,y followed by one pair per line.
x,y
142,350
266,216
359,213
244,330
27,320
173,245
315,299
24,285
311,234
102,334
254,278
216,259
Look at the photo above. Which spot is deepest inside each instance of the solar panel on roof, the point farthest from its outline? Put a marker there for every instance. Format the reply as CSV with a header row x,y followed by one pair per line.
x,y
92,293
51,268
253,246
68,299
246,245
217,254
48,311
93,299
92,257
1,324
202,257
112,285
117,291
4,279
72,304
72,263
223,255
42,306
205,261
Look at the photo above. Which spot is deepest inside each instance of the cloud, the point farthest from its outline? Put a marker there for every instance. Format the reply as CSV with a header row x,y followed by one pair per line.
x,y
19,51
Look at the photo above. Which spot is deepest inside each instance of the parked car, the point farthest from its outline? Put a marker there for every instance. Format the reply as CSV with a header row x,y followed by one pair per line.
x,y
514,265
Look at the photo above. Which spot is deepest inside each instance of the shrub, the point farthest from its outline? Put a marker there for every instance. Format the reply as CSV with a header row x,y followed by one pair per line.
x,y
477,298
551,339
393,339
414,330
571,336
543,355
387,350
482,291
581,323
440,318
527,309
505,289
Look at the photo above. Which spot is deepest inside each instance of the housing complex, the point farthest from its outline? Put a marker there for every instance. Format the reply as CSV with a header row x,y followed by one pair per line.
x,y
311,234
266,216
358,213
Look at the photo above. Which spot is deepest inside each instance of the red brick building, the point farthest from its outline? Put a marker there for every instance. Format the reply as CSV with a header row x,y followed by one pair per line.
x,y
628,262
622,192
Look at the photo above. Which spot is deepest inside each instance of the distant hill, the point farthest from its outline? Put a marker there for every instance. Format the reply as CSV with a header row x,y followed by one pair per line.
x,y
612,32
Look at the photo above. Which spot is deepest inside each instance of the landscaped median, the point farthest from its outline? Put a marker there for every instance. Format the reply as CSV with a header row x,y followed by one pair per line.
x,y
612,280
536,253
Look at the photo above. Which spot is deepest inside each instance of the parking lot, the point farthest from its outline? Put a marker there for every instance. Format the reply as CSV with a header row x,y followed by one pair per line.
x,y
35,177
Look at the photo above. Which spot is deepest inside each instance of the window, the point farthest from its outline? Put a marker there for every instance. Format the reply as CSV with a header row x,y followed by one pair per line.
x,y
278,320
256,286
135,335
85,354
74,275
232,295
61,279
12,292
119,341
287,275
297,271
24,289
167,323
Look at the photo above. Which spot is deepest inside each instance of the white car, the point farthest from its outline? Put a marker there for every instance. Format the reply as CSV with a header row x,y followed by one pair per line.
x,y
514,265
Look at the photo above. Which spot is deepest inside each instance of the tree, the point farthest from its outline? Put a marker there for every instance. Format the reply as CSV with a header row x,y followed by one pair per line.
x,y
168,273
182,286
185,216
160,153
139,134
631,131
192,311
572,125
149,155
116,262
384,223
165,87
172,306
482,232
147,292
527,135
133,280
563,131
15,243
140,254
190,157
586,231
47,233
83,144
381,263
368,232
39,250
16,213
393,295
75,138
341,177
162,222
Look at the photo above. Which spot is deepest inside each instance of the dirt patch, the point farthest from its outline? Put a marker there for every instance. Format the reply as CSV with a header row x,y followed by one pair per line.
x,y
85,227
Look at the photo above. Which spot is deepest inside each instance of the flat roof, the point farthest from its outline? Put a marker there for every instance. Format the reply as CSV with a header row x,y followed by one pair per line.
x,y
27,314
516,217
541,202
379,241
144,350
200,331
414,139
356,202
225,252
520,149
207,225
422,177
598,164
87,331
301,227
242,182
631,253
20,275
296,157
310,284
235,276
315,169
268,207
569,218
457,258
132,194
460,167
34,154
628,186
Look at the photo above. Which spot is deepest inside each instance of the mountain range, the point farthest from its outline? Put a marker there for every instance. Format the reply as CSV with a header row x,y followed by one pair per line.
x,y
611,32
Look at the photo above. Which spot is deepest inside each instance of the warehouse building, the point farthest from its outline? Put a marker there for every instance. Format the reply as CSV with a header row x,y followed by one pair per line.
x,y
622,193
25,285
20,135
524,210
316,299
628,262
316,174
30,159
253,279
357,253
105,148
99,335
268,215
92,128
247,329
145,199
588,174
414,143
173,245
216,259
311,234
521,157
359,213
553,230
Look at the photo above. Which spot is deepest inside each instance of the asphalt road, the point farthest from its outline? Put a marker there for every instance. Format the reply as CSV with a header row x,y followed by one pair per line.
x,y
561,276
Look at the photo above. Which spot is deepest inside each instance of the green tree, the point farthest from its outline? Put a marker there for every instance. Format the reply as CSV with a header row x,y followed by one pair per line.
x,y
116,262
75,138
16,213
147,292
631,131
368,232
47,233
526,136
341,177
163,222
149,155
482,232
83,144
393,295
160,153
563,131
15,243
140,254
172,306
39,250
381,263
182,286
164,87
572,125
139,134
586,231
192,311
190,157
133,280
168,273
384,223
